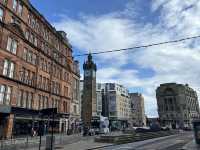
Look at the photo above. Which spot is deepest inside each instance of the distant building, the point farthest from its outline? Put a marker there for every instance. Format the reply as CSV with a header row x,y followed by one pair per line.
x,y
177,105
100,88
137,109
116,105
75,103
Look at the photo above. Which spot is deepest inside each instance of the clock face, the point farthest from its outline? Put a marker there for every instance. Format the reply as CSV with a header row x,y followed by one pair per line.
x,y
87,73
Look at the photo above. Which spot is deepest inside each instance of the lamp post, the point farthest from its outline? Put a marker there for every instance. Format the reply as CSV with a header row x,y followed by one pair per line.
x,y
54,59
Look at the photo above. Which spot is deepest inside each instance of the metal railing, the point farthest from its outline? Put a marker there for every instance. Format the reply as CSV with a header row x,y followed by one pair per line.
x,y
29,142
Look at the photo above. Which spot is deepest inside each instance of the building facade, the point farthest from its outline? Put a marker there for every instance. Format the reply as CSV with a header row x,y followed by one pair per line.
x,y
137,109
75,103
177,105
117,105
100,88
36,69
89,100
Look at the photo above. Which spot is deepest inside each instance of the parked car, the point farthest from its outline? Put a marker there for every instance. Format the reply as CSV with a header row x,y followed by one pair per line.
x,y
165,128
142,129
187,129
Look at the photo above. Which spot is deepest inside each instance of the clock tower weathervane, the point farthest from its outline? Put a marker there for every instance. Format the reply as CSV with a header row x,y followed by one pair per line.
x,y
89,92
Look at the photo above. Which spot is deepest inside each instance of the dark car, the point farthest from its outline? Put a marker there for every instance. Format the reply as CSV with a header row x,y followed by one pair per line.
x,y
165,128
187,129
142,129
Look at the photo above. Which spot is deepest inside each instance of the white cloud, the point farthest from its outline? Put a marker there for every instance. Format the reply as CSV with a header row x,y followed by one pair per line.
x,y
171,63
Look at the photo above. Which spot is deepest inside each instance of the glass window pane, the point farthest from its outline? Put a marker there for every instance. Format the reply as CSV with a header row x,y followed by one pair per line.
x,y
19,100
9,44
1,14
27,35
14,47
5,67
8,95
20,8
25,54
2,93
12,68
15,5
24,99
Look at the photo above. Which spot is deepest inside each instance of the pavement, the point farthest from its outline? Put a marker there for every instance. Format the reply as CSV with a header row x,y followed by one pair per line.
x,y
181,141
32,143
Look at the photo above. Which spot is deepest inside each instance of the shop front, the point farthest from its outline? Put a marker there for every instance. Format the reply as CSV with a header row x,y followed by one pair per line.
x,y
5,116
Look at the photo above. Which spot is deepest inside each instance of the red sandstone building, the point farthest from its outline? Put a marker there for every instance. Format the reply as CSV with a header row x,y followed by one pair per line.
x,y
35,69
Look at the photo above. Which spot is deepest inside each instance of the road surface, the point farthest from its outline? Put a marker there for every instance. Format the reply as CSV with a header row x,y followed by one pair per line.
x,y
174,142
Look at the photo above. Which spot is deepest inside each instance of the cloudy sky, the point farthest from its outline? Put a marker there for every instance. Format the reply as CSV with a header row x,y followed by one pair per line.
x,y
97,25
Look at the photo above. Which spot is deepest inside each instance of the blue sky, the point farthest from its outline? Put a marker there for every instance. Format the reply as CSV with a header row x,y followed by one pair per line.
x,y
96,25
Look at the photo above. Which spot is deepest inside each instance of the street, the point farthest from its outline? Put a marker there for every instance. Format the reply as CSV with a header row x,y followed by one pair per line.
x,y
174,142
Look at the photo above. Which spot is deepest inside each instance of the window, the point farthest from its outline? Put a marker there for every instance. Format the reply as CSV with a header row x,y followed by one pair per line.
x,y
29,56
11,45
20,97
75,110
26,75
41,63
45,102
40,102
25,53
34,57
66,91
15,5
43,83
5,94
8,68
65,106
35,41
40,81
1,14
29,101
25,96
47,86
20,9
33,77
27,35
31,37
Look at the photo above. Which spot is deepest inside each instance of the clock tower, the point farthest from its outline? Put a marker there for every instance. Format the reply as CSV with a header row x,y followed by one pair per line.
x,y
89,91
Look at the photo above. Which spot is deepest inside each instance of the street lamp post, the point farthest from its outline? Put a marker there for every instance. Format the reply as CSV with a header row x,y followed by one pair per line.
x,y
52,132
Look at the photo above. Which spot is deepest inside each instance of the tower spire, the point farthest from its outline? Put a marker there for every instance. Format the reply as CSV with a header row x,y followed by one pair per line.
x,y
90,57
